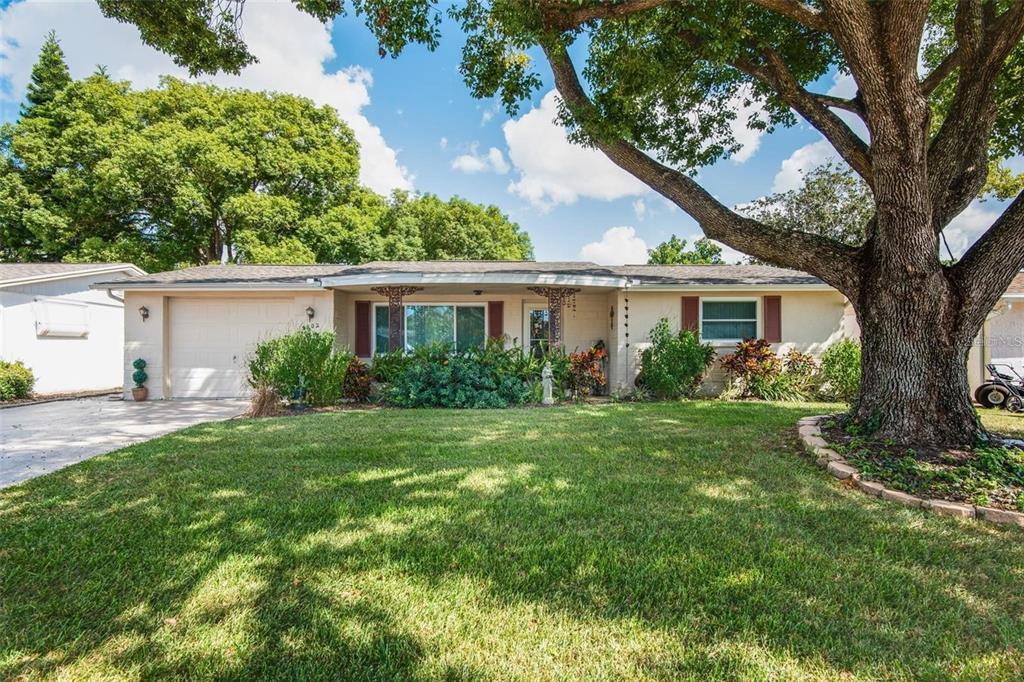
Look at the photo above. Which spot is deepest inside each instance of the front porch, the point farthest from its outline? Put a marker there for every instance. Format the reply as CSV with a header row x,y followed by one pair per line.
x,y
371,319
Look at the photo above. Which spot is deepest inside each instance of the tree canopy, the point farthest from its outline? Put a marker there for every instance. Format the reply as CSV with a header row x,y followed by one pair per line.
x,y
673,252
189,174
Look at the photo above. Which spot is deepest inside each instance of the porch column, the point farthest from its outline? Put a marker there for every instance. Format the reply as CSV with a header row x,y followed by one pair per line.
x,y
556,296
395,294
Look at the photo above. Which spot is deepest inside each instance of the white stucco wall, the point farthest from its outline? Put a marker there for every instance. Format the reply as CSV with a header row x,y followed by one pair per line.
x,y
90,362
149,339
811,321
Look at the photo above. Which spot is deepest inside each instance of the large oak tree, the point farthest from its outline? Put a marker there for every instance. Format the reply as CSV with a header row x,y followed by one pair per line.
x,y
657,90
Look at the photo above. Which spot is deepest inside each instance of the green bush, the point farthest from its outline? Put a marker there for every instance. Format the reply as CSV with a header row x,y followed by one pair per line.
x,y
757,372
674,364
840,371
139,376
302,367
440,377
356,386
16,380
387,366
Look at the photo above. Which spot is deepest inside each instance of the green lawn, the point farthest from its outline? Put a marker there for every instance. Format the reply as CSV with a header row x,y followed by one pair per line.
x,y
685,540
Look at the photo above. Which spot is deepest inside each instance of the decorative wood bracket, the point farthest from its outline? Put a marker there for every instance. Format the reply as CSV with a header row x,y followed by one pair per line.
x,y
556,296
396,322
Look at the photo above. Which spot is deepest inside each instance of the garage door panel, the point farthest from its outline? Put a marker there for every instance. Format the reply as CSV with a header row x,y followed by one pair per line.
x,y
211,341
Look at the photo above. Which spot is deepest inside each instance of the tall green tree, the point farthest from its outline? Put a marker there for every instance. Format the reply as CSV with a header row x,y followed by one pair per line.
x,y
50,75
833,202
192,174
656,94
673,252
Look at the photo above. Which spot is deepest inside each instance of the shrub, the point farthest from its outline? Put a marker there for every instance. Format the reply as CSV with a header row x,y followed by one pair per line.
x,y
302,366
356,386
139,376
840,371
387,366
757,372
585,373
674,364
440,377
16,380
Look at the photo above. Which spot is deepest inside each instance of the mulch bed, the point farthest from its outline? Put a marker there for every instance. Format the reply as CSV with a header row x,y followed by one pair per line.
x,y
38,398
991,476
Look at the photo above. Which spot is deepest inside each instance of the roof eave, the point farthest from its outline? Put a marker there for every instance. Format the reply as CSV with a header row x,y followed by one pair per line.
x,y
35,279
206,286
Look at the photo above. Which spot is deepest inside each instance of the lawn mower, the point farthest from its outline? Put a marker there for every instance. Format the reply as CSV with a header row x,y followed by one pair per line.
x,y
1005,390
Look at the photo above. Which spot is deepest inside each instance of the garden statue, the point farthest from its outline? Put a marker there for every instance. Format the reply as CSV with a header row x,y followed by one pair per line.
x,y
545,377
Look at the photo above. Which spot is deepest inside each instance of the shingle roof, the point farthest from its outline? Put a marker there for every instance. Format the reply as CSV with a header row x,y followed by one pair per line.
x,y
296,275
18,271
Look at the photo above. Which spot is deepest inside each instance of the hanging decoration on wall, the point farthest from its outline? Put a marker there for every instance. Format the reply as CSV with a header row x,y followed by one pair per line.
x,y
395,294
556,297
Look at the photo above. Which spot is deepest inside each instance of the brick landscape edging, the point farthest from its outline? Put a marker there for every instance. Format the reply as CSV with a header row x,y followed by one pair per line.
x,y
835,464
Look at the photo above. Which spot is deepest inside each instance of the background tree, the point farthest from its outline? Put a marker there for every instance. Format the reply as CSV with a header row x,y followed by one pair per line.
x,y
673,252
656,95
832,202
191,174
49,76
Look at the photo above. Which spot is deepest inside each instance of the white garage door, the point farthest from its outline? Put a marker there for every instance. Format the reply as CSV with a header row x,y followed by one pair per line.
x,y
211,340
1006,336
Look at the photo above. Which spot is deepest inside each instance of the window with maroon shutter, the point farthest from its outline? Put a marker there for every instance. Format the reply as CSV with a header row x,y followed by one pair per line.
x,y
773,319
363,328
495,319
691,314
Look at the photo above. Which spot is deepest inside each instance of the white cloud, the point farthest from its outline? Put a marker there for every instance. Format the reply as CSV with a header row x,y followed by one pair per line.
x,y
965,229
640,209
844,86
292,47
804,159
474,162
551,170
444,143
618,246
749,139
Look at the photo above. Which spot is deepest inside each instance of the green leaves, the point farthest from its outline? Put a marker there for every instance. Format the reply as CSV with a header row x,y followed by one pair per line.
x,y
673,252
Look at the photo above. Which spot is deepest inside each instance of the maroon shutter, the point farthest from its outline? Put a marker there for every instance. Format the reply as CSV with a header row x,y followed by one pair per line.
x,y
495,319
773,319
364,327
691,314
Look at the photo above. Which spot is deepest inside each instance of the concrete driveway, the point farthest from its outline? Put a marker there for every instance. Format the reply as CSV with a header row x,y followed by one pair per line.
x,y
38,439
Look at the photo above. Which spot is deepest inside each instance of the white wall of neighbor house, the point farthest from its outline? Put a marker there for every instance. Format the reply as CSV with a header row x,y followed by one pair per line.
x,y
68,335
811,322
197,344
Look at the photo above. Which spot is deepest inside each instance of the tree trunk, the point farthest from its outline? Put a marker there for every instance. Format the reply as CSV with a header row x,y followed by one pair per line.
x,y
914,348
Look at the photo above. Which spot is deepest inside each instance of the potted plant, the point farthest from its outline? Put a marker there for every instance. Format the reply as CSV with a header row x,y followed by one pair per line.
x,y
139,376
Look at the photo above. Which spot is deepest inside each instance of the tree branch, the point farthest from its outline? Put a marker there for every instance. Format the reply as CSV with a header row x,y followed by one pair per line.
x,y
958,154
797,11
940,72
987,268
851,105
568,15
833,262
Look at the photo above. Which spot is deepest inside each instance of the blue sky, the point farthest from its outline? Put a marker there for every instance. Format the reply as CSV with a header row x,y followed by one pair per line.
x,y
420,129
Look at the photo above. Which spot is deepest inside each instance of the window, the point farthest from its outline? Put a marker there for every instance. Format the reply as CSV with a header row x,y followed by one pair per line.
x,y
537,330
728,320
463,326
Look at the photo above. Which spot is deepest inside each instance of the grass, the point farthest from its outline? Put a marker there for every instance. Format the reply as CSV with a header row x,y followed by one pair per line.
x,y
685,540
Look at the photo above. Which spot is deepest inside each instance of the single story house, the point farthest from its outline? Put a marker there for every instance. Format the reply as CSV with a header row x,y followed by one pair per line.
x,y
70,335
196,327
1001,340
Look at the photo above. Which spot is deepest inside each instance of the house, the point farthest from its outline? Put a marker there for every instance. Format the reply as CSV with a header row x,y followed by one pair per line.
x,y
1001,340
196,327
70,335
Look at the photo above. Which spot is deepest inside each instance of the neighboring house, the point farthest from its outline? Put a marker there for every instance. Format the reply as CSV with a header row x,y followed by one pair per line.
x,y
1001,340
70,335
197,327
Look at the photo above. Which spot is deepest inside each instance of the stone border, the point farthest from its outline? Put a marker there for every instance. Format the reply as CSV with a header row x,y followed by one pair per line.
x,y
835,464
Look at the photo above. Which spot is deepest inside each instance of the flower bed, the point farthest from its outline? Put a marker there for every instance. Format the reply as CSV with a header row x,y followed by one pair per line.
x,y
987,483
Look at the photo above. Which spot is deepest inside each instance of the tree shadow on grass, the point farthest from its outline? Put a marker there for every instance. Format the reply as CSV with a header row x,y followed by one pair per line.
x,y
666,540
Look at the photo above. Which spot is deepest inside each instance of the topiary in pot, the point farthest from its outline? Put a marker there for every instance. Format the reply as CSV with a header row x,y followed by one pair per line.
x,y
139,376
